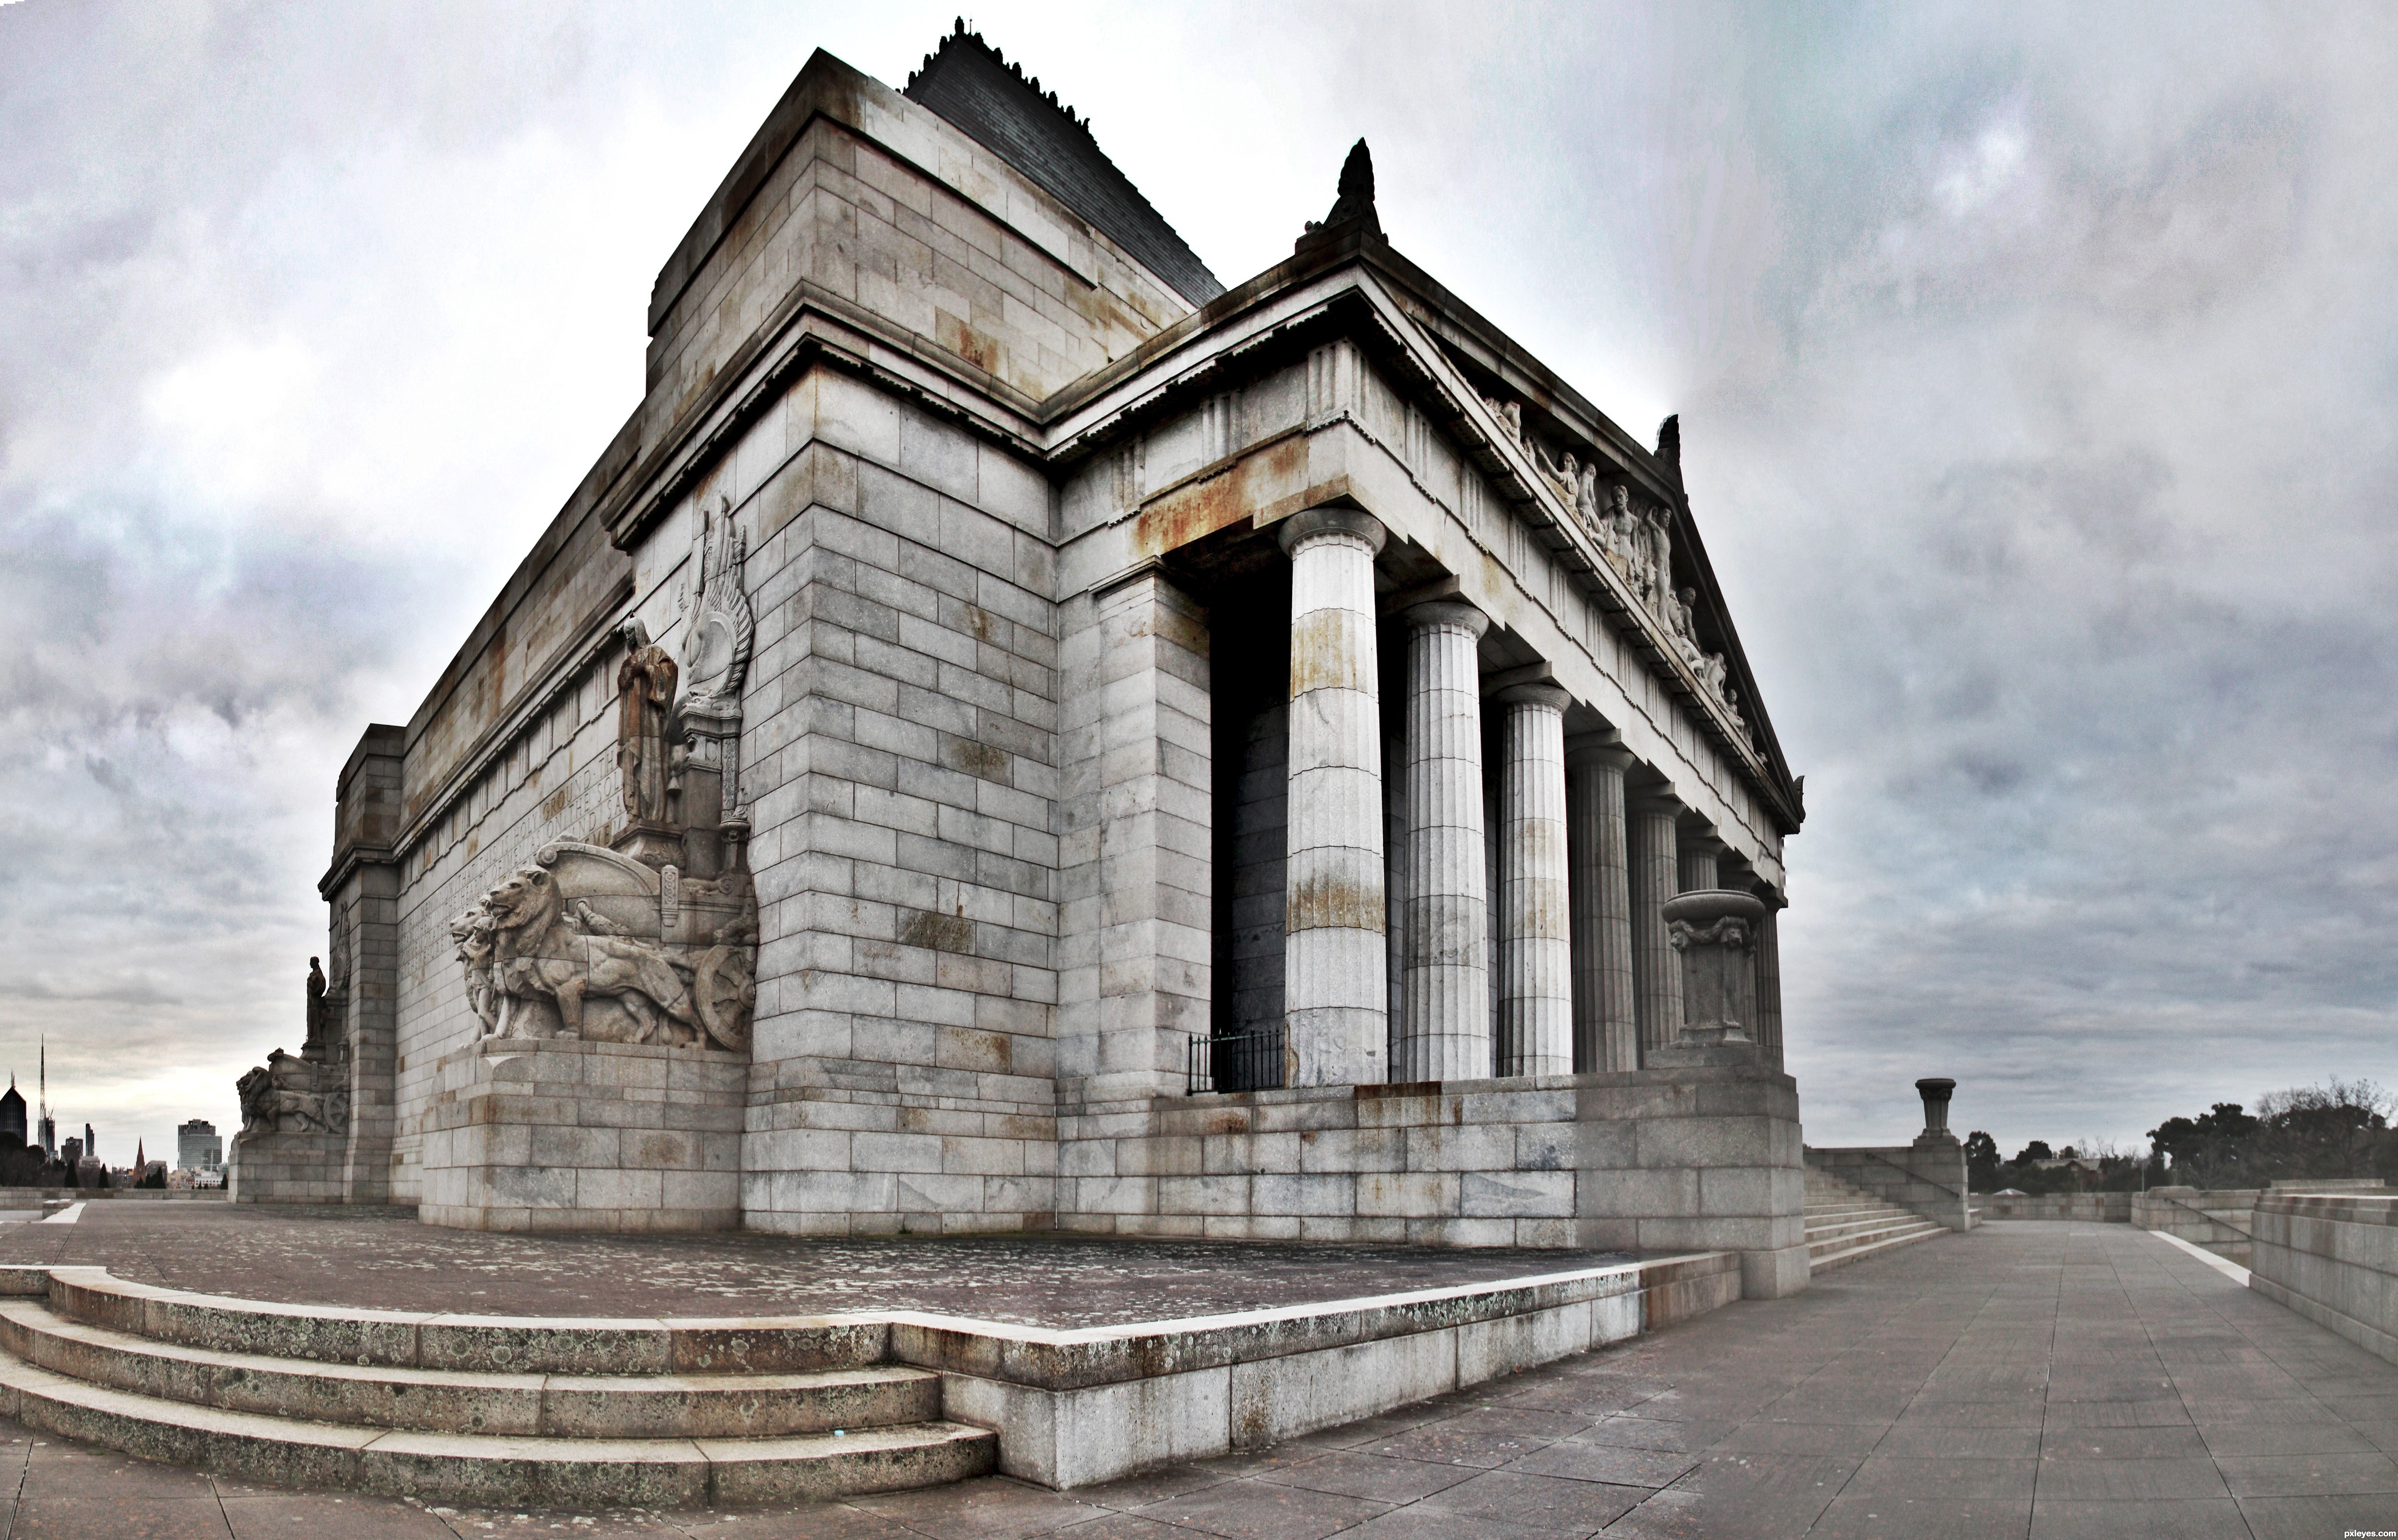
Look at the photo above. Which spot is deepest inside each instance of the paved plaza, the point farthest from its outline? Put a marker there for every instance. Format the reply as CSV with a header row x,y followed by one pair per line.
x,y
2028,1379
383,1258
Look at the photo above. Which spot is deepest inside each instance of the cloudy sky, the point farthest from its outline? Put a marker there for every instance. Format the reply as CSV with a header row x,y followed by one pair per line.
x,y
2038,370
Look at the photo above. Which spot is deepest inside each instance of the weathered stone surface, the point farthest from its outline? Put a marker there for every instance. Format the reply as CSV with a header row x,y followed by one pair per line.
x,y
859,732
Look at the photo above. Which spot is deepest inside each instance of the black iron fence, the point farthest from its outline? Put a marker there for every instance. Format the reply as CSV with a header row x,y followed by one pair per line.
x,y
1251,1061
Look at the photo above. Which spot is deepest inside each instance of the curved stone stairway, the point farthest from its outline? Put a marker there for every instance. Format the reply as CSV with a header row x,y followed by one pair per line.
x,y
1846,1223
484,1410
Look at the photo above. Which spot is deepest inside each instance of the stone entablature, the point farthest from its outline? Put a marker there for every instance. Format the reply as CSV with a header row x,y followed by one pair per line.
x,y
925,630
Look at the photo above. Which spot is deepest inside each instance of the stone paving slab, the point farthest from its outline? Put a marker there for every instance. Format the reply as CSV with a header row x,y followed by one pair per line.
x,y
1717,1428
382,1259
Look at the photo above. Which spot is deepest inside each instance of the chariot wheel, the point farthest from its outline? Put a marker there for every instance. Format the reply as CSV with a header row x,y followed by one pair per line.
x,y
724,991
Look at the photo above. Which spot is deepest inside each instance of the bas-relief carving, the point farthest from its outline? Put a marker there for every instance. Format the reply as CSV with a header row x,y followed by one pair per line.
x,y
289,1094
656,940
300,1092
1637,542
583,945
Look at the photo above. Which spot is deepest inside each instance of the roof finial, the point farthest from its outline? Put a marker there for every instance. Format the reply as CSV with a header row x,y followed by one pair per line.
x,y
1669,444
1356,202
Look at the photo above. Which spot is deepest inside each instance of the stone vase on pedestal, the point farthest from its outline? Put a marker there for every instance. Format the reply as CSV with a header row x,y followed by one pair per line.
x,y
1935,1093
1714,933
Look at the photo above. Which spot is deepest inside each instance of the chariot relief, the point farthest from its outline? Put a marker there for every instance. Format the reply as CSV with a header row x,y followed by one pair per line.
x,y
289,1094
654,941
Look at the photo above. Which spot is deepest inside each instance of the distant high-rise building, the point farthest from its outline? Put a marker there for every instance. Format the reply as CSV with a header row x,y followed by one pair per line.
x,y
73,1153
197,1148
12,1116
49,1130
90,1145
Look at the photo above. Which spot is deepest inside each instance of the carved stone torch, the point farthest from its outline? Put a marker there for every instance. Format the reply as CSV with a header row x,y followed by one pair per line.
x,y
1935,1092
1714,931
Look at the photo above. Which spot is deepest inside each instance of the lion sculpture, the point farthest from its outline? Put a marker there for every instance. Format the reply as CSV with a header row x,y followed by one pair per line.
x,y
542,947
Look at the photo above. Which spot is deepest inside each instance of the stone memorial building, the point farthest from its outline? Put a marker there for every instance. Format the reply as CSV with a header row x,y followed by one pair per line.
x,y
1013,733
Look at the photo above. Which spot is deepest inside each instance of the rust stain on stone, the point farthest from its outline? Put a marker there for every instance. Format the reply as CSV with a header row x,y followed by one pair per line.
x,y
965,341
1231,1121
978,760
1202,507
1325,653
1324,902
937,932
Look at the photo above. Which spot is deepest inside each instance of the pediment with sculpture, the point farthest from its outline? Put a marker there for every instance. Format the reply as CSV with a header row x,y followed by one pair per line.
x,y
1636,538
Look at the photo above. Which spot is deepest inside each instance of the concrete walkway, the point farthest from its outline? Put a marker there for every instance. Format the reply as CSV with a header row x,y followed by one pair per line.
x,y
2046,1380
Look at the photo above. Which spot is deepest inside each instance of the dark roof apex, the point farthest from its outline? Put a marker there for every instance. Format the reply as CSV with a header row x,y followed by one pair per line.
x,y
1353,203
972,85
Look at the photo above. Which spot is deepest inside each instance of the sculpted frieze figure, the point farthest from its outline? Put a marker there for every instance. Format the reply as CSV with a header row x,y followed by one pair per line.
x,y
645,692
289,1094
716,644
317,1012
585,944
472,933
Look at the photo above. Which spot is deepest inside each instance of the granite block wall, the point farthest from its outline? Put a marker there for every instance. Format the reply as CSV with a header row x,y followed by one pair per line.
x,y
2333,1259
903,714
1648,1161
550,1135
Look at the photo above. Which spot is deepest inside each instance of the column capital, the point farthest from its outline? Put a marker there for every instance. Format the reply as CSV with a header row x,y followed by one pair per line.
x,y
1555,697
1585,749
1655,799
1451,613
1355,523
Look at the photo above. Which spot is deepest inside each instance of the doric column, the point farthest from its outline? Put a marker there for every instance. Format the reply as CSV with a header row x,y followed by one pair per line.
x,y
1444,1010
1605,1033
1698,854
1769,975
1656,970
1536,998
1336,978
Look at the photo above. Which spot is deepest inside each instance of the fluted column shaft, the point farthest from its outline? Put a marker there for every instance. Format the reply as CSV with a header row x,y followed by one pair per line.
x,y
1445,1005
1698,856
1656,967
1768,976
1536,998
1336,962
1606,1036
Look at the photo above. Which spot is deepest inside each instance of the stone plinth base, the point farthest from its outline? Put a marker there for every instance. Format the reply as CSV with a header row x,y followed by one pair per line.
x,y
1697,1158
286,1167
558,1134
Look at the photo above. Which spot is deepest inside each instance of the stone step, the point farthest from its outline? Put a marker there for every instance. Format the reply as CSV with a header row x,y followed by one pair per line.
x,y
484,1469
1864,1226
1854,1212
1855,1229
1834,1210
1841,1253
474,1345
429,1400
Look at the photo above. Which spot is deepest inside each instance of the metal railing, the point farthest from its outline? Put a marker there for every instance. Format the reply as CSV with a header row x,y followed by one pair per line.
x,y
1248,1061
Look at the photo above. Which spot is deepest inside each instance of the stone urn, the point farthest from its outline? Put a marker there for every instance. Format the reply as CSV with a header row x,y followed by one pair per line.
x,y
1935,1092
1714,931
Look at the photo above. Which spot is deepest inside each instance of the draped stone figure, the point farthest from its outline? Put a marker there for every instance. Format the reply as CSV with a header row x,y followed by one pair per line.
x,y
645,692
315,1045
